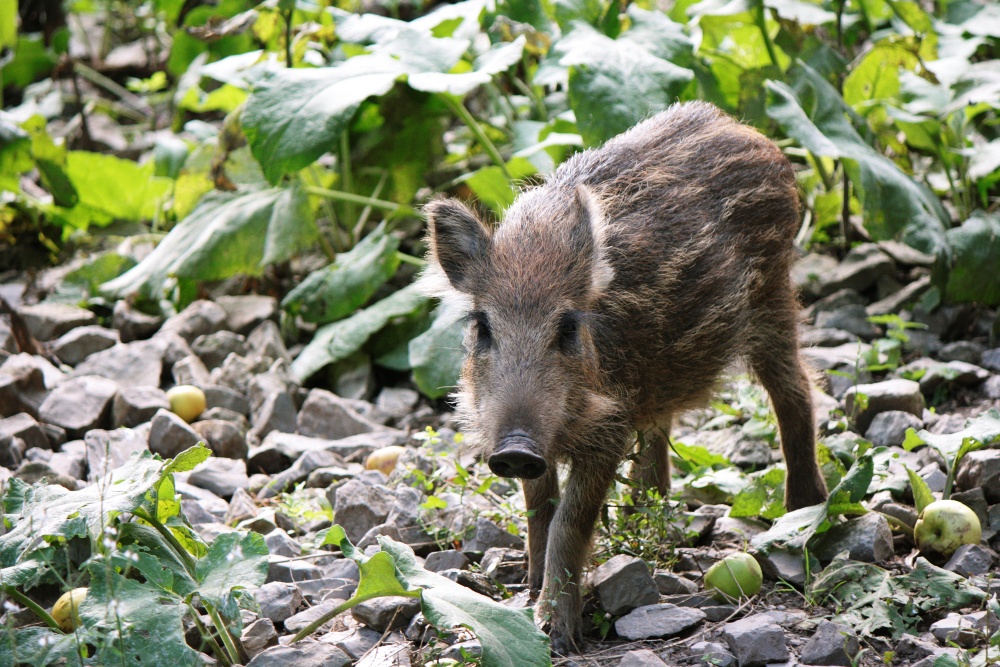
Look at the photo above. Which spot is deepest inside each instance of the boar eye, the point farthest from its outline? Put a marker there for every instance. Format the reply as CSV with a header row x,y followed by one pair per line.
x,y
484,337
569,333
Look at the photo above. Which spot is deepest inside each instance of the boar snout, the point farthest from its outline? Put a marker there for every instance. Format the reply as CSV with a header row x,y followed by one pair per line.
x,y
517,456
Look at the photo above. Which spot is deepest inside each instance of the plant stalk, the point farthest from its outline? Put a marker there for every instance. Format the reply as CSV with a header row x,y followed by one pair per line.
x,y
459,109
227,639
318,623
33,606
189,563
207,634
761,21
340,195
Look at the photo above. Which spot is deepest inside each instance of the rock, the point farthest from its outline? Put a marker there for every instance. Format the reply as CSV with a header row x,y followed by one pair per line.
x,y
386,613
78,344
198,319
291,571
220,476
209,501
326,415
975,499
981,469
852,318
505,566
359,507
888,429
623,583
191,370
279,543
736,531
641,658
450,559
223,437
245,312
299,471
832,644
971,559
133,324
357,642
108,450
991,360
278,600
897,301
33,472
488,535
396,402
46,320
23,426
278,450
137,364
275,413
755,641
902,395
219,396
22,386
241,507
258,636
956,628
71,461
657,620
904,513
266,341
967,351
383,529
213,348
12,450
809,274
169,435
713,653
301,654
859,270
813,337
668,583
79,404
310,614
135,405
868,538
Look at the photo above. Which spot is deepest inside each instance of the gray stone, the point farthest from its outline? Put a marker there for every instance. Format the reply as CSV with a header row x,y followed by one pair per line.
x,y
370,538
832,644
46,320
223,437
975,499
247,311
191,370
623,583
356,642
22,386
213,348
359,507
133,324
209,501
450,559
641,658
297,472
309,615
813,337
275,413
220,476
968,351
266,341
736,530
755,641
137,364
169,435
220,396
279,543
991,360
897,301
301,654
278,600
108,450
867,538
657,620
386,613
241,507
888,428
198,319
852,318
991,387
834,301
505,566
488,535
79,404
175,348
902,395
971,559
353,377
291,571
396,402
809,274
258,636
78,344
278,450
956,628
71,461
326,415
714,654
23,426
33,472
135,405
859,270
12,450
904,513
981,469
668,583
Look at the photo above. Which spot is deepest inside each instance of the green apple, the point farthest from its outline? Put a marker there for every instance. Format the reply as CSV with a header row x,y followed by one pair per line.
x,y
735,576
186,401
943,527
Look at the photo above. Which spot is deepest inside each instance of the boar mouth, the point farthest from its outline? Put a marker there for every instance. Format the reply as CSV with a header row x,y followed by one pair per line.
x,y
517,456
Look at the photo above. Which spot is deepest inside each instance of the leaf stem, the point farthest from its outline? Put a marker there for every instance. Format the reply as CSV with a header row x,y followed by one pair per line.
x,y
347,179
410,259
227,639
207,634
33,606
340,195
288,36
899,524
761,21
356,600
458,107
189,563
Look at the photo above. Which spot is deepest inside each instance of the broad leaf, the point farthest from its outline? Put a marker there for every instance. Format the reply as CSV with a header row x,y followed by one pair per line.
x,y
922,494
233,561
976,254
436,355
982,431
228,233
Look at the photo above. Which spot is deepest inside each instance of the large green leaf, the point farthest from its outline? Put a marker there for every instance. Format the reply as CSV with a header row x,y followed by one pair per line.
x,y
980,432
337,290
895,206
976,254
228,233
340,340
295,115
436,355
233,561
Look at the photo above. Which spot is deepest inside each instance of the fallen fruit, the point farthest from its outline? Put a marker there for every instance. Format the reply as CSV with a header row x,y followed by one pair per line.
x,y
384,459
186,401
943,527
735,576
65,611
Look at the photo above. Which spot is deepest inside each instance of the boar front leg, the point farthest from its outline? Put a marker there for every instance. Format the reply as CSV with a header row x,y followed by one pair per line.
x,y
541,496
568,548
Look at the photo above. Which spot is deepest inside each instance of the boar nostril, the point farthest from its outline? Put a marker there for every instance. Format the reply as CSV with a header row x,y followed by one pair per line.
x,y
516,458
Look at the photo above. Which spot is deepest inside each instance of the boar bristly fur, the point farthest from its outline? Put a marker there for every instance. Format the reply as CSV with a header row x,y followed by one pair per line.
x,y
610,299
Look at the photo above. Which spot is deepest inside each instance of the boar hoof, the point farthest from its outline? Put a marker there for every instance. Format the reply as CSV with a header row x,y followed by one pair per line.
x,y
517,456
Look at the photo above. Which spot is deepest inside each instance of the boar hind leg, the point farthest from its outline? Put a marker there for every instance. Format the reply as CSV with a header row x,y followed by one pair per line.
x,y
541,496
651,465
776,362
568,548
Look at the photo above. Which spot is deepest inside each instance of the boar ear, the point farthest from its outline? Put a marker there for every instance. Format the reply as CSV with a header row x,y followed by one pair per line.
x,y
458,240
589,239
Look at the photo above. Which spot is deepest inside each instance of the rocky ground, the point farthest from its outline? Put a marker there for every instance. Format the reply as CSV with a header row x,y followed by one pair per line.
x,y
93,391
